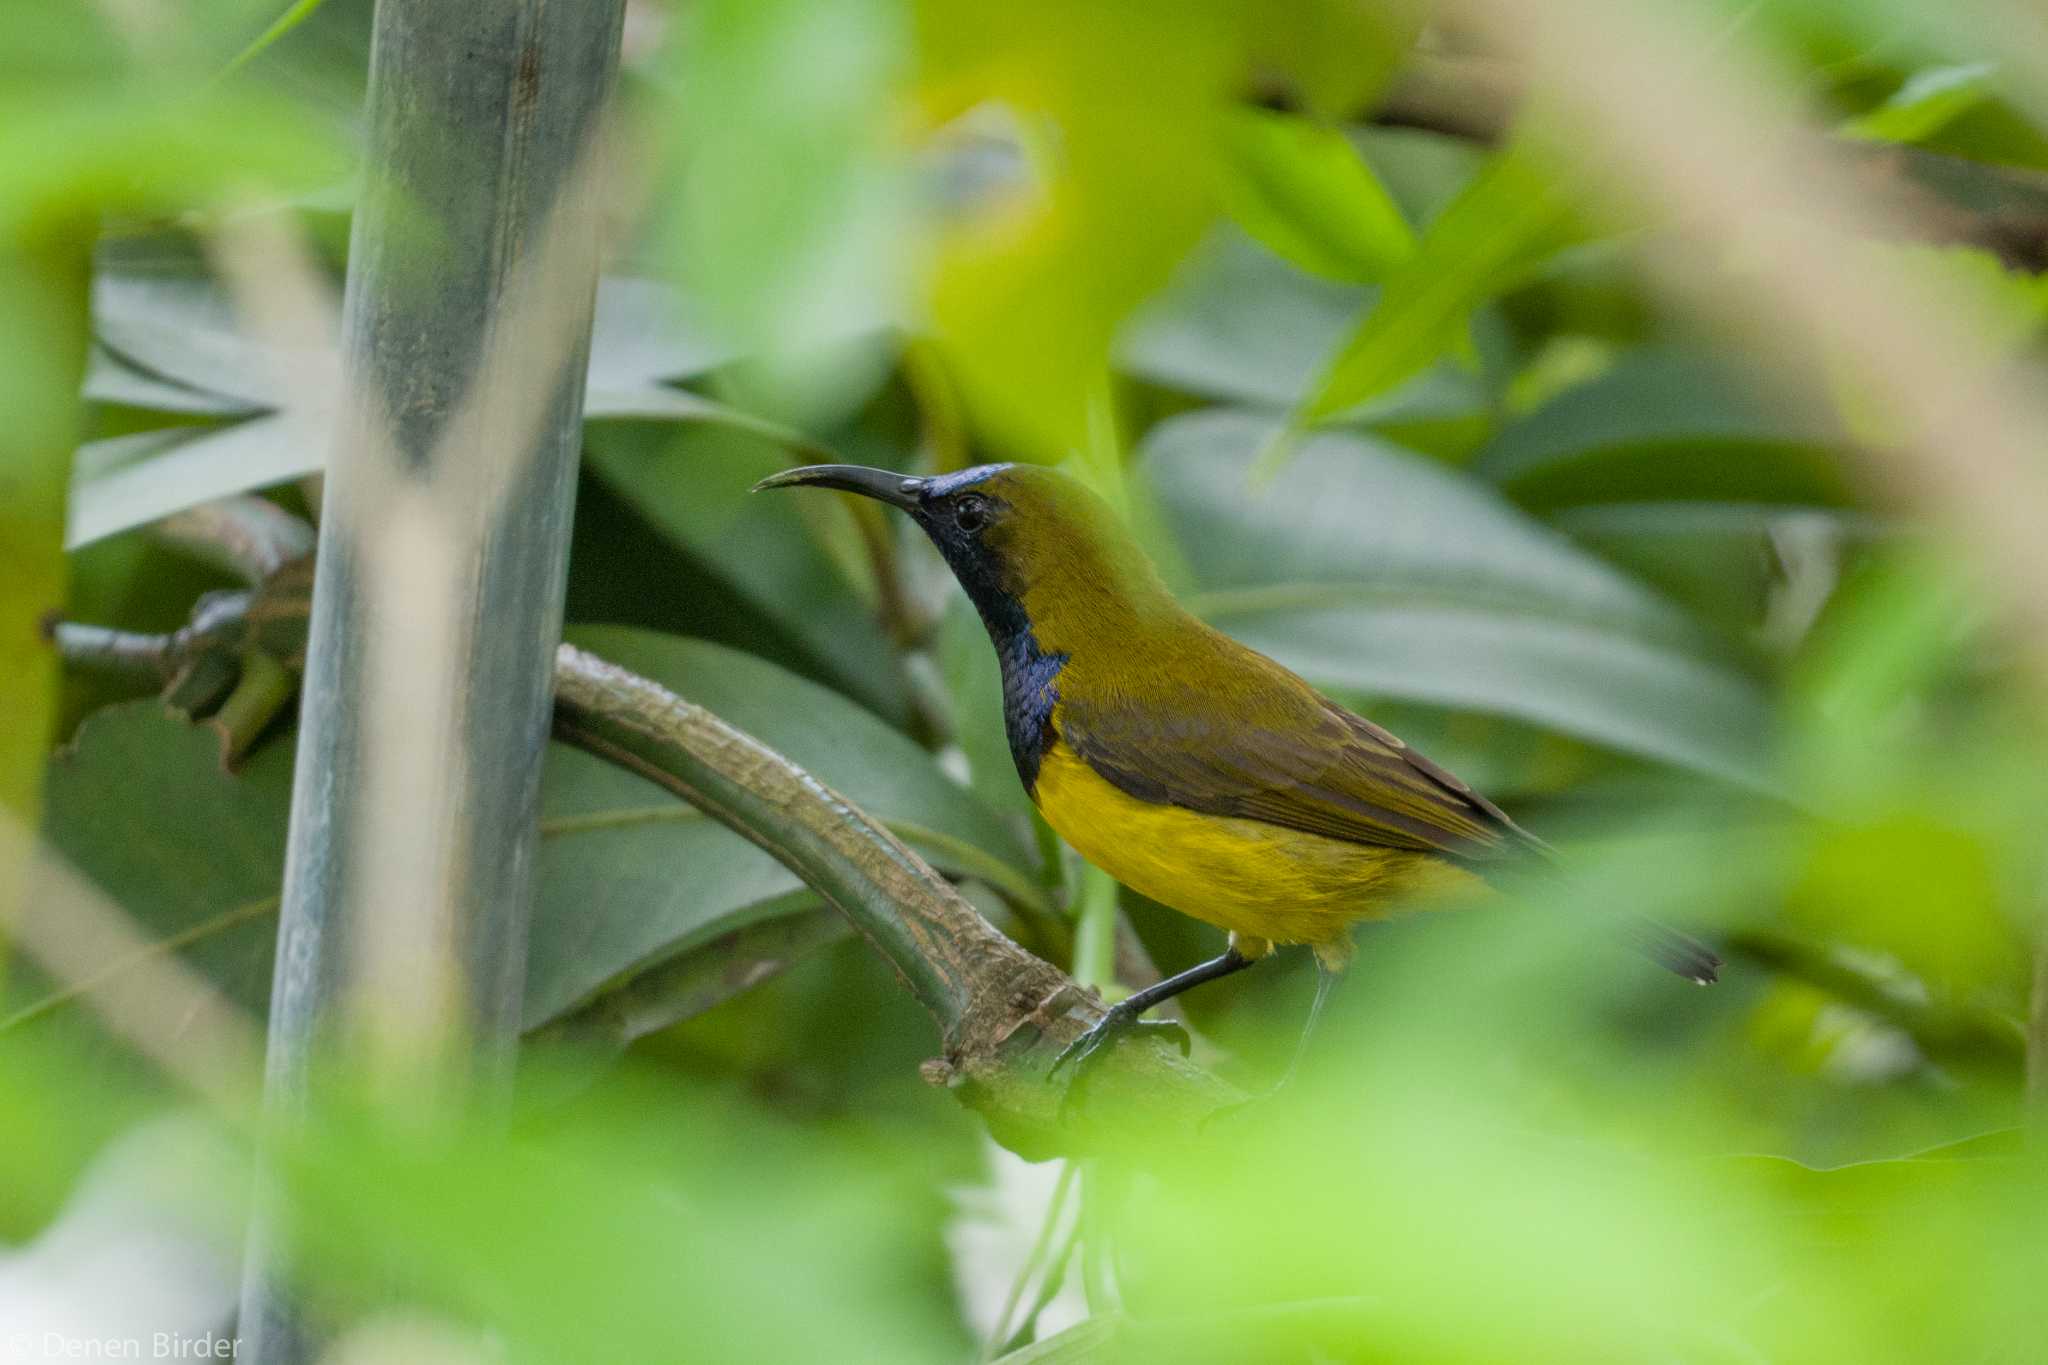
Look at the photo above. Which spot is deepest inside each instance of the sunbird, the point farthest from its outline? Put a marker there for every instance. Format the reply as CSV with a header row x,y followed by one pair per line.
x,y
1184,764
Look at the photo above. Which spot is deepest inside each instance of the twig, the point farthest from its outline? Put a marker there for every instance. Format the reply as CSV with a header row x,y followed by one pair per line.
x,y
1003,1015
116,651
248,536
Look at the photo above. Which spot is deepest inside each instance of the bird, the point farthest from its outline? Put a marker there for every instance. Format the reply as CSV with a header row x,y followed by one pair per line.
x,y
1187,765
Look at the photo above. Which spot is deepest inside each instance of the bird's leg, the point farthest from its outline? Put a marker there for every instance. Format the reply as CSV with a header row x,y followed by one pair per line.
x,y
1123,1015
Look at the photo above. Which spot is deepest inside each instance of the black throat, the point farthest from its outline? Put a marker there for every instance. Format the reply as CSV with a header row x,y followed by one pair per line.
x,y
1030,673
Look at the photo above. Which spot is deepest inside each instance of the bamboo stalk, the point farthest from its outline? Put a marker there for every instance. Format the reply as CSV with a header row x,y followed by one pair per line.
x,y
442,554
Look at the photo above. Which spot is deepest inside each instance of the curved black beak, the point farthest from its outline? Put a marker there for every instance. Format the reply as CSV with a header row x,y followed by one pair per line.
x,y
883,485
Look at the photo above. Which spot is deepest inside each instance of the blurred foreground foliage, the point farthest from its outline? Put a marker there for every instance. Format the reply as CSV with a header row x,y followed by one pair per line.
x,y
1390,403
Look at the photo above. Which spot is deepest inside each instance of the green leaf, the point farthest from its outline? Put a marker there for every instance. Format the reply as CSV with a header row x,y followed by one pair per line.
x,y
1336,55
42,317
701,978
1115,108
182,327
693,483
295,14
139,802
144,148
663,403
1377,572
644,332
1303,190
169,344
1928,102
788,212
1720,560
1505,223
128,481
116,382
629,877
1240,324
1668,426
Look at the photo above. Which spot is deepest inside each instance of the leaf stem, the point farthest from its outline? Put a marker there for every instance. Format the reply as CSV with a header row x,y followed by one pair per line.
x,y
1095,938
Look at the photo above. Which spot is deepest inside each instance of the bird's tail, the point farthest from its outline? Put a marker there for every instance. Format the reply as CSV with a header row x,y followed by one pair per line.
x,y
1668,948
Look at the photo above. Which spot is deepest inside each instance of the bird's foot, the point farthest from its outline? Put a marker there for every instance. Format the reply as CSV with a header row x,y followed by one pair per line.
x,y
1085,1052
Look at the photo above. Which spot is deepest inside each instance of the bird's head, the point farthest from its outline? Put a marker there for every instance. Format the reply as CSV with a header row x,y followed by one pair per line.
x,y
1016,532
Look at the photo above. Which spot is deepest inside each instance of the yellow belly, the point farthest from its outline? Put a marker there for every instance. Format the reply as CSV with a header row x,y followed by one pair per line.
x,y
1257,880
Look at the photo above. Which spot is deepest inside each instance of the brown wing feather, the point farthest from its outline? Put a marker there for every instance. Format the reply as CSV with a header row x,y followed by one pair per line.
x,y
1281,752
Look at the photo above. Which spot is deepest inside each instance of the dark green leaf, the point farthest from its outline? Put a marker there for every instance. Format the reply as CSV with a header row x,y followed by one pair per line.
x,y
1375,571
692,482
1666,426
140,803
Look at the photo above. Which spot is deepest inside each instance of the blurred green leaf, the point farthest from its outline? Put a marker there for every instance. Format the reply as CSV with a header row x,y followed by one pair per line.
x,y
42,316
293,15
88,146
1928,102
1668,426
1304,191
662,403
1239,324
1717,559
1378,572
645,332
1335,54
789,215
701,978
1512,216
655,1220
2010,305
1116,107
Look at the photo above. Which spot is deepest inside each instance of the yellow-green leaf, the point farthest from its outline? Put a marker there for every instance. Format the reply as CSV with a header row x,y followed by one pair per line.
x,y
1304,191
1512,216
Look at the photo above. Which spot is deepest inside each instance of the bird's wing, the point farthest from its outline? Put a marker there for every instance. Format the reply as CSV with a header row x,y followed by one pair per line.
x,y
1282,753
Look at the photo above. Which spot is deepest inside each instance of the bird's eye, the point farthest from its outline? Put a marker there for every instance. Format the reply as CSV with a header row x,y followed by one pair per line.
x,y
970,513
